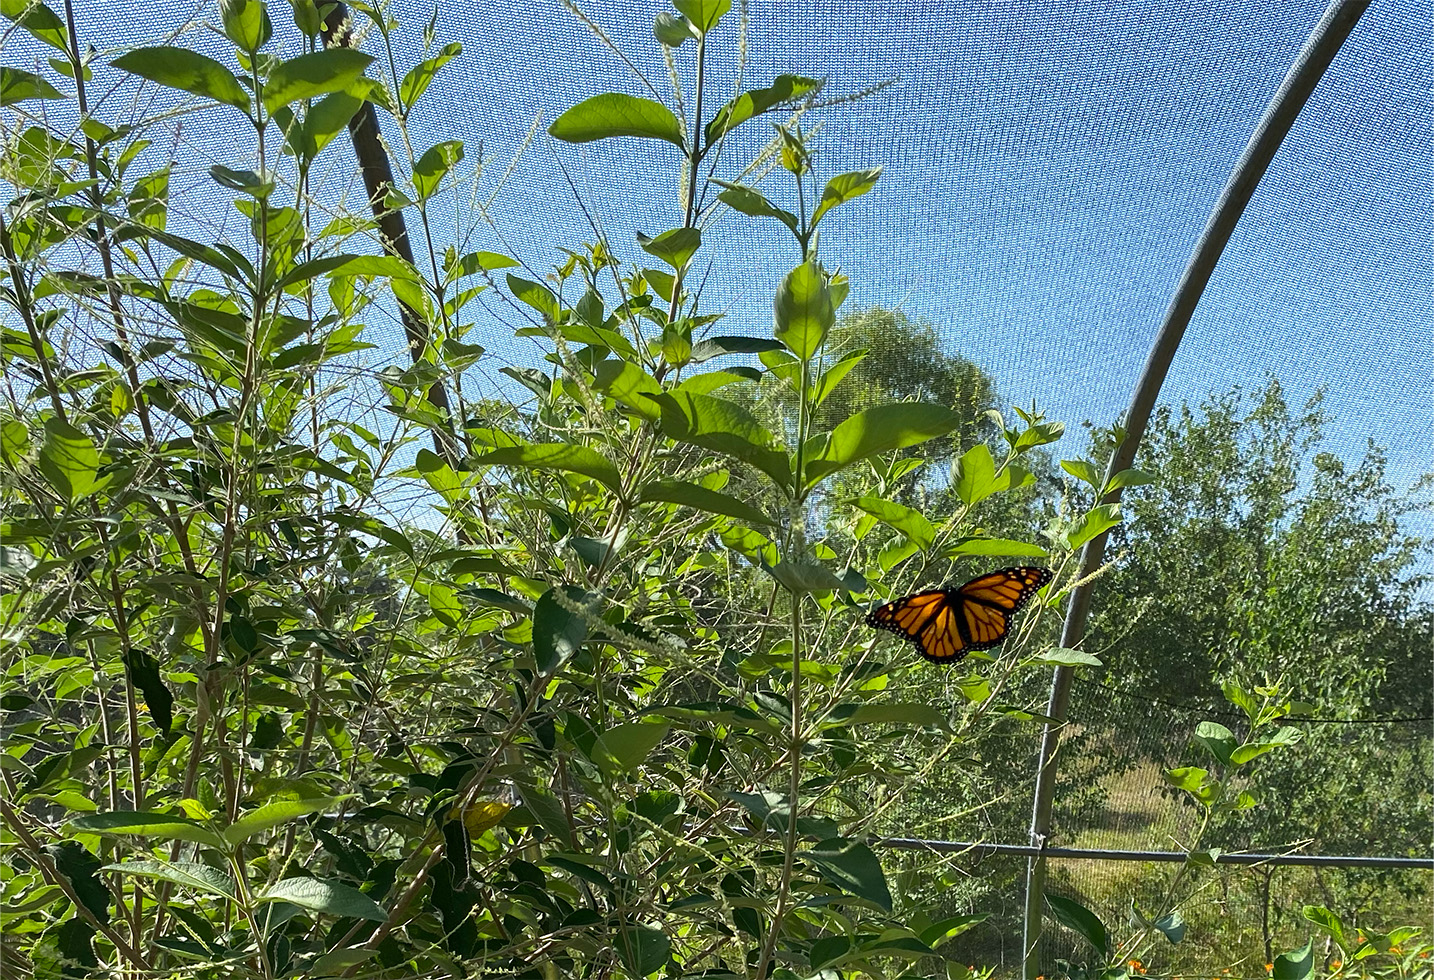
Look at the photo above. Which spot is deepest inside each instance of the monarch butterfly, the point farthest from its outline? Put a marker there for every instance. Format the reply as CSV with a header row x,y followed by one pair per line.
x,y
945,624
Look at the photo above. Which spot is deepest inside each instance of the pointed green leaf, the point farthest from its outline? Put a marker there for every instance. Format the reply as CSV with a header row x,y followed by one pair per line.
x,y
140,823
878,430
751,202
275,814
801,577
674,247
692,495
893,713
976,478
1082,920
725,427
1083,470
416,82
556,456
909,522
833,376
783,90
705,350
17,86
843,188
627,746
70,461
14,442
1096,521
673,30
328,897
536,295
313,74
557,630
187,71
994,546
704,14
1295,965
1066,657
435,164
246,23
852,867
629,385
186,874
804,310
614,114
1129,478
1172,927
1328,923
1218,739
39,20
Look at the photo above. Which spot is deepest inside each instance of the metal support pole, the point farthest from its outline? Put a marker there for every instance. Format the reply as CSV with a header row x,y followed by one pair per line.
x,y
1319,50
1167,857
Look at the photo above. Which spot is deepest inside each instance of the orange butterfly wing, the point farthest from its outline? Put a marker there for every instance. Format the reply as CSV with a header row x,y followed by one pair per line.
x,y
944,624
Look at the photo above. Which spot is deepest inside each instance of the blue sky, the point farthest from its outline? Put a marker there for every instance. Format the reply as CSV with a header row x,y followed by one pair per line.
x,y
1048,168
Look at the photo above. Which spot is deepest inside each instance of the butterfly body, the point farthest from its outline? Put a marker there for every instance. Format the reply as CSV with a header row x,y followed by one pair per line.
x,y
946,624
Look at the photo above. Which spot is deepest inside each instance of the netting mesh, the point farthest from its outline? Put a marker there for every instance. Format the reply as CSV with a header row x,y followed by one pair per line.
x,y
1048,169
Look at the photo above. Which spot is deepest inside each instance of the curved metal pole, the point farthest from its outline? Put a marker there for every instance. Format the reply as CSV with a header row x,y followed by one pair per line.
x,y
1319,50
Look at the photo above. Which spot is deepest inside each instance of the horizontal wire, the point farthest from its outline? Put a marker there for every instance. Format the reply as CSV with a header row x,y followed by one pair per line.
x,y
1293,719
1104,854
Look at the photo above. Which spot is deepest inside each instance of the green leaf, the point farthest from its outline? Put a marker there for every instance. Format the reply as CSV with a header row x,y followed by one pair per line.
x,y
1295,965
947,929
1083,470
186,874
187,71
445,605
629,385
1081,920
144,674
644,949
909,522
671,29
674,247
557,632
705,350
39,20
1129,478
14,442
877,430
692,495
330,897
556,456
1095,521
536,295
614,114
1218,739
70,461
705,384
1066,657
1040,434
1328,923
994,546
416,82
898,713
244,181
751,202
851,866
976,478
784,89
313,74
246,23
843,188
804,309
725,427
1171,926
141,823
627,746
434,165
17,86
833,376
800,577
275,814
546,808
704,14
